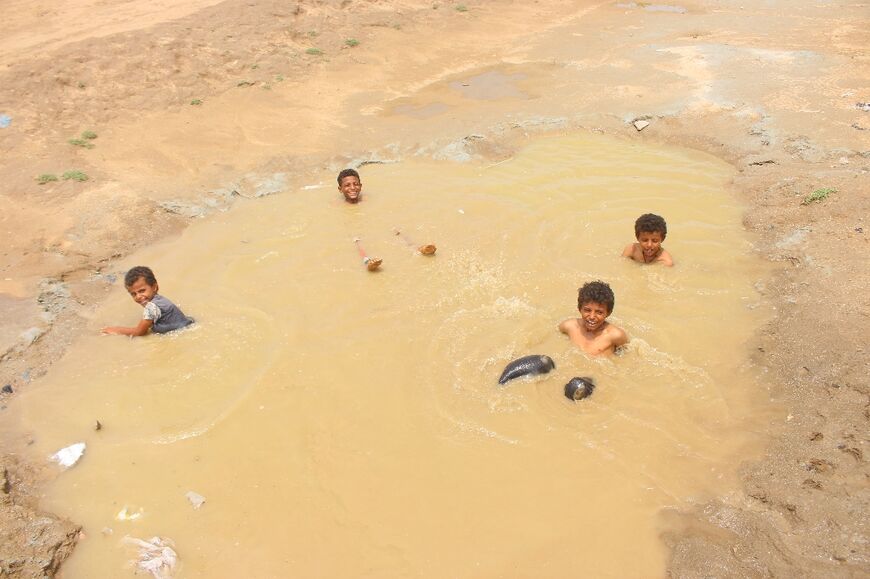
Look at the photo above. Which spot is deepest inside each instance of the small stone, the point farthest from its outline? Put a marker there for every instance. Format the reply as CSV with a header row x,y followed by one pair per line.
x,y
640,125
7,389
98,425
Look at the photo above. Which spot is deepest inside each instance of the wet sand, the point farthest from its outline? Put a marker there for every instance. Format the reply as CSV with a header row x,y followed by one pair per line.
x,y
772,90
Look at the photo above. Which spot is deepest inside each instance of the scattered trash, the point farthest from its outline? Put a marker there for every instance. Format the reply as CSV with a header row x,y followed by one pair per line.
x,y
5,121
107,531
66,457
156,556
863,107
128,514
857,126
7,389
462,211
764,162
640,125
310,187
195,499
98,425
843,160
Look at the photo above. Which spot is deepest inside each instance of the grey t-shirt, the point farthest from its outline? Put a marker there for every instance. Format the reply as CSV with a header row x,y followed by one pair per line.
x,y
165,315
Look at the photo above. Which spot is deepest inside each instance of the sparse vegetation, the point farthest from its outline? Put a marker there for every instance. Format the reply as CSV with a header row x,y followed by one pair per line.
x,y
196,102
255,66
818,195
244,83
279,78
90,135
46,178
314,51
351,42
461,8
75,176
81,143
312,33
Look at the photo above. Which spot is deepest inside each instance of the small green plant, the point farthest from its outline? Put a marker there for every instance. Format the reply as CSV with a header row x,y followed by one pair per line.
x,y
818,195
75,176
312,33
46,178
244,83
279,78
461,8
196,102
314,51
90,135
81,85
81,143
255,66
267,86
351,42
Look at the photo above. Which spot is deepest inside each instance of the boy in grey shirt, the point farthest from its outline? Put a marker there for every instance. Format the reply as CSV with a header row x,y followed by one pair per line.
x,y
160,314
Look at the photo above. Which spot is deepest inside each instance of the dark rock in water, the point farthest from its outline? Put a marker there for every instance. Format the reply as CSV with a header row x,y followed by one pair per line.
x,y
579,388
527,365
7,389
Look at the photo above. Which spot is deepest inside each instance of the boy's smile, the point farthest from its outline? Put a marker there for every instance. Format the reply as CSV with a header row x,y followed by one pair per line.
x,y
141,291
593,315
650,243
350,187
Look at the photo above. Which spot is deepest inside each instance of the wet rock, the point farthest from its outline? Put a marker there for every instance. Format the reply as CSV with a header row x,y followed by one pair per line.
x,y
183,208
196,499
7,389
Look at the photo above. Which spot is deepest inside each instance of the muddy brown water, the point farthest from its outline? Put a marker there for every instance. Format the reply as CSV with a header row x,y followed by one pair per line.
x,y
346,423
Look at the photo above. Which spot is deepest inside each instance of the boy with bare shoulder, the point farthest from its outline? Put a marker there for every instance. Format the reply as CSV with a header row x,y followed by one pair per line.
x,y
650,231
591,331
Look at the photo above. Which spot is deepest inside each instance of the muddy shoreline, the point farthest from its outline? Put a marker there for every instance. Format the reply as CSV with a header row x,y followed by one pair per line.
x,y
774,94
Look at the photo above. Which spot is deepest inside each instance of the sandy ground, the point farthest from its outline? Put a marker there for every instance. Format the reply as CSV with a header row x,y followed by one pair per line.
x,y
774,88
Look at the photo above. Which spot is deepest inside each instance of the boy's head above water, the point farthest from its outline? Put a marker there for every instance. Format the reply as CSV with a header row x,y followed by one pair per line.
x,y
141,284
350,186
596,293
650,231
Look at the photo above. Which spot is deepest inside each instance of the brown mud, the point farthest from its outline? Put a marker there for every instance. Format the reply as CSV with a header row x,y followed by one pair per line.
x,y
281,94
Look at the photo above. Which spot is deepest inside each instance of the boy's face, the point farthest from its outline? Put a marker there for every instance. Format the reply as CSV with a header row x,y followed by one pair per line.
x,y
350,187
141,291
650,243
593,315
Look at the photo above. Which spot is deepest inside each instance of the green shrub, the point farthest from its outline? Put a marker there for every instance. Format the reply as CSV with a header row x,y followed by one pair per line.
x,y
46,178
818,195
74,175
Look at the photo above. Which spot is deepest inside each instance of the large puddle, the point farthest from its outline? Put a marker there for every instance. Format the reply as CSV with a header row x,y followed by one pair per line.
x,y
341,423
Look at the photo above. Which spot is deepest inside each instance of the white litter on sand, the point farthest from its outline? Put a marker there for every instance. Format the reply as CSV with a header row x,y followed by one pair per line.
x,y
66,457
156,556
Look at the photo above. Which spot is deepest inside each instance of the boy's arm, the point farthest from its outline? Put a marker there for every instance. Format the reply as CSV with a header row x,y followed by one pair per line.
x,y
141,329
619,337
666,259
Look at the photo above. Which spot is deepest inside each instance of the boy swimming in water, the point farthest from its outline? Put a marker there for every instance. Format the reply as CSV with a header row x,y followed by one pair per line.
x,y
350,186
160,315
650,231
591,331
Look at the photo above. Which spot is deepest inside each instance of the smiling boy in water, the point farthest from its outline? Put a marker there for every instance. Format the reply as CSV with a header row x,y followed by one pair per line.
x,y
591,331
650,231
160,314
350,186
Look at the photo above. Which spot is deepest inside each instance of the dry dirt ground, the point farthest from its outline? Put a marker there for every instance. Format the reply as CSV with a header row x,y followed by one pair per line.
x,y
202,104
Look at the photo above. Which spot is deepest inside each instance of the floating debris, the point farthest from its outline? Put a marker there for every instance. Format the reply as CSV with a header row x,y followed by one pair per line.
x,y
128,514
66,457
156,556
196,499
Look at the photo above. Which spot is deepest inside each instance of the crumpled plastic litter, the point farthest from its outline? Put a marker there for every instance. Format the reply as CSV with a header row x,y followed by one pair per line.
x,y
156,556
195,499
5,121
66,457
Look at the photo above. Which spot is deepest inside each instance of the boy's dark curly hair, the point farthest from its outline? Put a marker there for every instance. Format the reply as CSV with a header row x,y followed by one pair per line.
x,y
650,223
347,173
596,291
137,272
